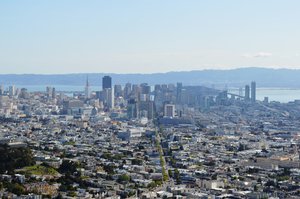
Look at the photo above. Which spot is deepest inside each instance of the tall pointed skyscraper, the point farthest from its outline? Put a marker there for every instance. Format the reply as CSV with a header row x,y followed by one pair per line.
x,y
87,90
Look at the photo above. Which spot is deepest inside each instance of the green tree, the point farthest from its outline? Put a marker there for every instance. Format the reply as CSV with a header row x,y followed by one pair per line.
x,y
15,188
151,185
177,176
110,169
14,158
72,194
123,178
170,172
137,162
68,167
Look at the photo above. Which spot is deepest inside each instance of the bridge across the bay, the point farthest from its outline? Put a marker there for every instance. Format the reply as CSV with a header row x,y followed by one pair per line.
x,y
236,95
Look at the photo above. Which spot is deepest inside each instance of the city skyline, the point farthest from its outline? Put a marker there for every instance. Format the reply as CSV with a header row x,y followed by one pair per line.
x,y
149,99
146,37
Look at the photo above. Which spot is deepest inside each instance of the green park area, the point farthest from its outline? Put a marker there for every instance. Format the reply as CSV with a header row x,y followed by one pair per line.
x,y
39,170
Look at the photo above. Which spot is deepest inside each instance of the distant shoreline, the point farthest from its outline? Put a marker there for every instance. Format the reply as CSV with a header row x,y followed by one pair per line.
x,y
237,78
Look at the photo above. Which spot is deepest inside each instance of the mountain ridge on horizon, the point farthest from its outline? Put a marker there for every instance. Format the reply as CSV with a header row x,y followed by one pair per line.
x,y
239,77
154,73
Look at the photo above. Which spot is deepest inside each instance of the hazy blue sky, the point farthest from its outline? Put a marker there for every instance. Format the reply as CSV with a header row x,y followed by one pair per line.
x,y
126,36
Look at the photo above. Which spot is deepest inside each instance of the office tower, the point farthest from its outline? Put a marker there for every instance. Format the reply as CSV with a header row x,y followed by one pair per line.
x,y
145,89
132,109
240,91
106,82
118,90
101,96
24,93
253,91
49,91
157,88
222,98
109,98
12,91
206,102
144,97
53,93
1,89
6,104
169,110
247,93
164,87
127,90
107,94
87,90
171,87
179,92
146,109
136,90
4,101
144,94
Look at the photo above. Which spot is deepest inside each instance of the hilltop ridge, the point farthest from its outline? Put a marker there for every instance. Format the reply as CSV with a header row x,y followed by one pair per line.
x,y
265,77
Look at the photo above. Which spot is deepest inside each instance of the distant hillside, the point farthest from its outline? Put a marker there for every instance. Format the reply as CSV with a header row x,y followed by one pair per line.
x,y
231,78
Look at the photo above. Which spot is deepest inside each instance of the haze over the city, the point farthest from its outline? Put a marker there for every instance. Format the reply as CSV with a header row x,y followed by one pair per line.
x,y
147,36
